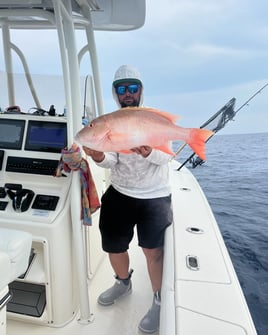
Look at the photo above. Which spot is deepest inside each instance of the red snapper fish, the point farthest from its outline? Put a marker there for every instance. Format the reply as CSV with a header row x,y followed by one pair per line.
x,y
132,127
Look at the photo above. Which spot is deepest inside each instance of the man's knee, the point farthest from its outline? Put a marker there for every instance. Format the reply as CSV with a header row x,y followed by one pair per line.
x,y
153,255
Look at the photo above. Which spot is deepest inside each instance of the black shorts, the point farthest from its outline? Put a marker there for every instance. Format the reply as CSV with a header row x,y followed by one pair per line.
x,y
120,213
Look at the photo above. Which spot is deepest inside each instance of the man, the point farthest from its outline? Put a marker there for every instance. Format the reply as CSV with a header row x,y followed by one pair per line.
x,y
139,196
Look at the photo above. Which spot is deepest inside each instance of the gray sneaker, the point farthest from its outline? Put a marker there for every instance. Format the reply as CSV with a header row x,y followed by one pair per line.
x,y
150,322
120,289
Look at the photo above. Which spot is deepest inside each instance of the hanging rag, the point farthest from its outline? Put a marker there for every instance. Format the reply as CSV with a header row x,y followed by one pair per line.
x,y
72,160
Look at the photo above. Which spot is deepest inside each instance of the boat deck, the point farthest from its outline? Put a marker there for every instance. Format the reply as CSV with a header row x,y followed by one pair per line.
x,y
122,318
200,290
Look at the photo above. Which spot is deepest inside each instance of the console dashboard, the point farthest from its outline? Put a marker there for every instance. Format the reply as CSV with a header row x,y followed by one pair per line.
x,y
30,149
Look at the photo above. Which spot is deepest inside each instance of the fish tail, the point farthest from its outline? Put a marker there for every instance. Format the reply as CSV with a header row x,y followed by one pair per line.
x,y
197,140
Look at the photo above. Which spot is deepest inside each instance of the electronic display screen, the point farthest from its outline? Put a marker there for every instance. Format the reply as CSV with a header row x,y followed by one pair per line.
x,y
46,136
11,133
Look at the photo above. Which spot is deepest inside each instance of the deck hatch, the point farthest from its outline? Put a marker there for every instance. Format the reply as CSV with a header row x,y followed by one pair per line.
x,y
27,299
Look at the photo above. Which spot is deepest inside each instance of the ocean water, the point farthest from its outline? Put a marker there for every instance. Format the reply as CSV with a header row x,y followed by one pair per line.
x,y
235,181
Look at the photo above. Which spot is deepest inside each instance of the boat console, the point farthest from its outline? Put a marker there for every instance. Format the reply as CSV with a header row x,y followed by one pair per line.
x,y
30,148
32,199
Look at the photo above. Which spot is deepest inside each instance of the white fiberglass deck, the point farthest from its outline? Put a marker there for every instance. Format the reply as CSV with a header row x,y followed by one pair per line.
x,y
203,290
121,318
207,300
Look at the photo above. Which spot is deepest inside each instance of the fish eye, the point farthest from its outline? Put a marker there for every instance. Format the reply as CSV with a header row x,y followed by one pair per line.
x,y
90,125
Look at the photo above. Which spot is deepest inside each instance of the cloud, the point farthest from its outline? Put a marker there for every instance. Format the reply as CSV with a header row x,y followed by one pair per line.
x,y
198,106
193,55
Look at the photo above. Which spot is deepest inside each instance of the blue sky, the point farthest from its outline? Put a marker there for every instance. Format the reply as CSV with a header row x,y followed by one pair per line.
x,y
193,55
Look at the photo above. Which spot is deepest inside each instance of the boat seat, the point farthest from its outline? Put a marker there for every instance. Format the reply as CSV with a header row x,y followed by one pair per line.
x,y
15,249
17,246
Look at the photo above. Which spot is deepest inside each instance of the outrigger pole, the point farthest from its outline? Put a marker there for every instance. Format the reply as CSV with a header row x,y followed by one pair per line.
x,y
218,121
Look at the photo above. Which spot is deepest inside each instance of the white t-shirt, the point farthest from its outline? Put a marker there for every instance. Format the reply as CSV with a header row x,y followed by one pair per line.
x,y
139,177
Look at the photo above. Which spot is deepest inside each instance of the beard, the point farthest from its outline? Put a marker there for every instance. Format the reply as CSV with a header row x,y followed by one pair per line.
x,y
134,103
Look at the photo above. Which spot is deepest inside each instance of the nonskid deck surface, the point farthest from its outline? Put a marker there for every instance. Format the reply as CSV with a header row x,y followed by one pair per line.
x,y
122,318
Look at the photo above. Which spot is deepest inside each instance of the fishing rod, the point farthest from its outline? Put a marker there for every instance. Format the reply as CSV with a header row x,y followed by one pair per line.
x,y
252,97
227,107
225,114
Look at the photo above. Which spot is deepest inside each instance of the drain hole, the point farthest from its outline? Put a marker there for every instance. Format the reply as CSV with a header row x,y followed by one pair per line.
x,y
195,230
185,189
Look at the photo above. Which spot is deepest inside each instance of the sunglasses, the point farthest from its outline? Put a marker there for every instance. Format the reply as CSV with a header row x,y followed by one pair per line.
x,y
132,88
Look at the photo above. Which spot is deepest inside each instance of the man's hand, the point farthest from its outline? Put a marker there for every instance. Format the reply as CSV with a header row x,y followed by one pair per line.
x,y
97,156
144,150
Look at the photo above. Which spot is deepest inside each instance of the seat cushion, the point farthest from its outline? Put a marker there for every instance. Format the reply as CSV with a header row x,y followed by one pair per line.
x,y
17,246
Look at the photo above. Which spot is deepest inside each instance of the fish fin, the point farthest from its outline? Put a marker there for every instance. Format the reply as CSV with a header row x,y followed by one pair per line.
x,y
171,117
197,140
165,148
